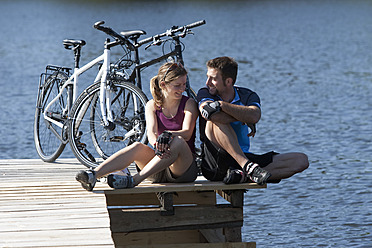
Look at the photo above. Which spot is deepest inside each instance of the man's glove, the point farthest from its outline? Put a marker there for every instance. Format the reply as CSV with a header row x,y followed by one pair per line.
x,y
210,108
253,129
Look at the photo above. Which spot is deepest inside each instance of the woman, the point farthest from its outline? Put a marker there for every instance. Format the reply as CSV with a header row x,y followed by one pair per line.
x,y
170,120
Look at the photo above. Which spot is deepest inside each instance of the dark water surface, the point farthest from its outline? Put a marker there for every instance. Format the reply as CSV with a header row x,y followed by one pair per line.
x,y
310,62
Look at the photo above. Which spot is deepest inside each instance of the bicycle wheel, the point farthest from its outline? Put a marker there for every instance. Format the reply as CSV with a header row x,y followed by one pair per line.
x,y
90,140
48,137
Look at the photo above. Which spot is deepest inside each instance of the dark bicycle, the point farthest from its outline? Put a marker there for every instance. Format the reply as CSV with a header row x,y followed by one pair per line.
x,y
108,117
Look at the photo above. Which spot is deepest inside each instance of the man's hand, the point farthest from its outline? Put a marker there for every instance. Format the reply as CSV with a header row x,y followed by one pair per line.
x,y
253,129
210,108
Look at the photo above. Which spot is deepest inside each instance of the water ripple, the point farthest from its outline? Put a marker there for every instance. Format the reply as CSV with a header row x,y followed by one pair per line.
x,y
310,62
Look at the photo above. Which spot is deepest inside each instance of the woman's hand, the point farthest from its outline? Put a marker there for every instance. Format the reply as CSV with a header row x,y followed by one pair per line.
x,y
162,147
165,154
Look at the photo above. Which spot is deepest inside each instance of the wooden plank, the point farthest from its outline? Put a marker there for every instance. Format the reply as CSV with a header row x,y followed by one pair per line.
x,y
200,198
215,235
152,238
184,238
181,187
233,234
235,197
56,238
194,217
41,205
198,245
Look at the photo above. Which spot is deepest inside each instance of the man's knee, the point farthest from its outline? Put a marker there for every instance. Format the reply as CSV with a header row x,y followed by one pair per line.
x,y
215,131
209,130
302,162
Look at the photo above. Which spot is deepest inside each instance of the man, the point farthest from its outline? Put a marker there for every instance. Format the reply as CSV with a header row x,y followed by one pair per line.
x,y
227,112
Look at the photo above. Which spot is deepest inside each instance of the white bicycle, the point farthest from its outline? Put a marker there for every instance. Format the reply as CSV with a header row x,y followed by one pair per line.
x,y
109,114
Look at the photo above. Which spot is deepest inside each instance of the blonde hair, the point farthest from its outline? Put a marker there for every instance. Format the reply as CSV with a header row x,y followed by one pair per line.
x,y
166,74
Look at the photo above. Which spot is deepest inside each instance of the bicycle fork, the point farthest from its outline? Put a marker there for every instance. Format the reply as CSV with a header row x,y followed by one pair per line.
x,y
105,89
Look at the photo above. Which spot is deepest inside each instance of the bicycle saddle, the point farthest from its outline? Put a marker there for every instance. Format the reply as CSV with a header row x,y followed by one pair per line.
x,y
133,34
68,43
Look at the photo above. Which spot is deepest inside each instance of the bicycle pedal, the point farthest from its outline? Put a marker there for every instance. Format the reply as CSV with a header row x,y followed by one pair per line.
x,y
81,146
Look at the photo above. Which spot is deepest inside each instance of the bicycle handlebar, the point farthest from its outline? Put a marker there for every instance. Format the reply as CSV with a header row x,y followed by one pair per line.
x,y
156,38
111,32
172,31
195,24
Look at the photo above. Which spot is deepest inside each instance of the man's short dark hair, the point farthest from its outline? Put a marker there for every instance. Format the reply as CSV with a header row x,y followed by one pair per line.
x,y
226,65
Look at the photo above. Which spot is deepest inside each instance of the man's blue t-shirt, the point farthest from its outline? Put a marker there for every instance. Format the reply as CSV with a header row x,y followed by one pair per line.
x,y
243,96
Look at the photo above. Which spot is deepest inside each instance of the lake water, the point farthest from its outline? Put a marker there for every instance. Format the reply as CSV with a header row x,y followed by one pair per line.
x,y
310,62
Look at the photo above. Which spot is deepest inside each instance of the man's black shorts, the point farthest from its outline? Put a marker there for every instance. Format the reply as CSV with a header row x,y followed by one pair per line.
x,y
216,161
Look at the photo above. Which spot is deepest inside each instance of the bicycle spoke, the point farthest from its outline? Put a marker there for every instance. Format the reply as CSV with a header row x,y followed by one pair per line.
x,y
48,136
127,126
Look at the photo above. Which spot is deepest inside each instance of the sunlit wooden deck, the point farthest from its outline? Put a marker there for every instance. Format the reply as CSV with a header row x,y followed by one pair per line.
x,y
41,205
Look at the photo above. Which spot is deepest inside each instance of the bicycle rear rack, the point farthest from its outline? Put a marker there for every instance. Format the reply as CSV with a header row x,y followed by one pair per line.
x,y
49,70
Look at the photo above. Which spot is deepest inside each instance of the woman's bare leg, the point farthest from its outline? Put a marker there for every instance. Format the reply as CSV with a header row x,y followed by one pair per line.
x,y
138,152
179,161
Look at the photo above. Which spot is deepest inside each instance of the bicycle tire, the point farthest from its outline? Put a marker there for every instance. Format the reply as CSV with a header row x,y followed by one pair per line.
x,y
48,146
90,141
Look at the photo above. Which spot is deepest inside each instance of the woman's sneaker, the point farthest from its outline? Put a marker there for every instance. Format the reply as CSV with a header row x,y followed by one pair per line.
x,y
120,181
256,173
87,179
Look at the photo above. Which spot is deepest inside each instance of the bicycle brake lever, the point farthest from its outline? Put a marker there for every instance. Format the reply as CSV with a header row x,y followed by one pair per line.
x,y
156,41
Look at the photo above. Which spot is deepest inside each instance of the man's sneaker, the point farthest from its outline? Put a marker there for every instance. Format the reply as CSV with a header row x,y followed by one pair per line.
x,y
256,173
87,179
120,181
235,176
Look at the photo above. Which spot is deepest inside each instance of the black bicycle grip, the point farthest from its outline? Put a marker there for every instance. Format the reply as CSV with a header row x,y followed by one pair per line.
x,y
98,24
107,30
196,24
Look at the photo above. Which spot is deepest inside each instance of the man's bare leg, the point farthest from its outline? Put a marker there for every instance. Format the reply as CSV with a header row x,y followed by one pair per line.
x,y
287,164
283,165
224,136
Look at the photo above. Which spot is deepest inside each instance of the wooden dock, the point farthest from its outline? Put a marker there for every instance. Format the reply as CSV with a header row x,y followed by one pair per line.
x,y
41,205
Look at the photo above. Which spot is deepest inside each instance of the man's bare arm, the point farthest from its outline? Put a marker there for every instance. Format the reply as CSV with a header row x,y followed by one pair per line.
x,y
231,112
246,114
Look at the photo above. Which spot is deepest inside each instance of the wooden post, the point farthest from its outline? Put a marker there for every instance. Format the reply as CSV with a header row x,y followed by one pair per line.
x,y
177,215
166,202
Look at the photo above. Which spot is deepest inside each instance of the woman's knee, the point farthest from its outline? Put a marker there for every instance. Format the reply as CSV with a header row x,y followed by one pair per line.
x,y
177,142
137,146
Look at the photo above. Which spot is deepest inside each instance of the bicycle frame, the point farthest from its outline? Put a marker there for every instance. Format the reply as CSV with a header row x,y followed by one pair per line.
x,y
64,107
101,77
136,74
